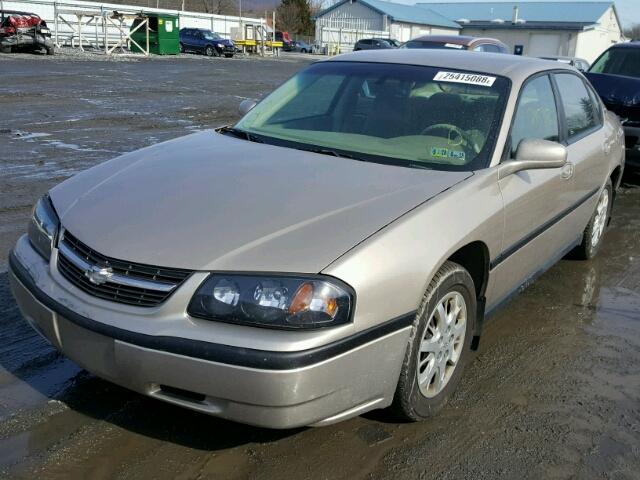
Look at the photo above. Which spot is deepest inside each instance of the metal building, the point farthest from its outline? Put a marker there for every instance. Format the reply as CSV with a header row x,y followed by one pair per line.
x,y
577,28
347,21
536,28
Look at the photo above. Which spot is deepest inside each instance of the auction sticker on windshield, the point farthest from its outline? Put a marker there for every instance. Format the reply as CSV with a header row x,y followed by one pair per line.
x,y
468,78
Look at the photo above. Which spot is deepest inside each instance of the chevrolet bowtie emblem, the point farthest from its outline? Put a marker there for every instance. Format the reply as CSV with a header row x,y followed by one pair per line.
x,y
98,275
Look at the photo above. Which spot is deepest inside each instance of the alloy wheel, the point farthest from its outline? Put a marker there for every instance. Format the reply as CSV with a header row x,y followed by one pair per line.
x,y
442,343
600,220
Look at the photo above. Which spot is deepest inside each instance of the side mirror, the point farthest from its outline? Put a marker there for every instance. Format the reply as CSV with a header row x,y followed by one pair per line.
x,y
246,106
535,154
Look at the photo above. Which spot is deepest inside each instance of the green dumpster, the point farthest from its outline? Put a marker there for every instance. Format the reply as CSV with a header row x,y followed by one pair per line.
x,y
164,34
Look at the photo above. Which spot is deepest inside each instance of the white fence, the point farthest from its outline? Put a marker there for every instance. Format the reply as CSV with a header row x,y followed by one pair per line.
x,y
68,23
343,39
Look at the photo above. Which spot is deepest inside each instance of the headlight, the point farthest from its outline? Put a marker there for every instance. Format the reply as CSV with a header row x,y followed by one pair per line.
x,y
292,302
220,45
43,227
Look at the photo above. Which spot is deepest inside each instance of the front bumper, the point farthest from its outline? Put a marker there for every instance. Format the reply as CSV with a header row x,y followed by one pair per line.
x,y
317,386
228,49
632,142
26,41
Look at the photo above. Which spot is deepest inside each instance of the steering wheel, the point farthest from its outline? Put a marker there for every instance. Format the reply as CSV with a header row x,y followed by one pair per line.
x,y
461,136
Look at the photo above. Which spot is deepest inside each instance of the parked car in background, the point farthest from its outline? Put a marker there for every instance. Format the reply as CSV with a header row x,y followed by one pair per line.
x,y
200,40
24,31
457,42
616,77
301,47
285,38
337,249
579,63
374,44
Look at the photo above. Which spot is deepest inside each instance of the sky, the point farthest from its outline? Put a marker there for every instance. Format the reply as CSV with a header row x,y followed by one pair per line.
x,y
628,10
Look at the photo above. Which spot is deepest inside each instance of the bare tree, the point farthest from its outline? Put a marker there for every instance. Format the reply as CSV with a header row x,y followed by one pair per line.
x,y
633,32
288,17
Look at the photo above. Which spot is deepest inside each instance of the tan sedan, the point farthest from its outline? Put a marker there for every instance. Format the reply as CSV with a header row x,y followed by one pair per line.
x,y
334,252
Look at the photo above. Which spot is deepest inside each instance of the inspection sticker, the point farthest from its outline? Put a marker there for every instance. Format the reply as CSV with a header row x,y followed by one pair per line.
x,y
469,78
439,152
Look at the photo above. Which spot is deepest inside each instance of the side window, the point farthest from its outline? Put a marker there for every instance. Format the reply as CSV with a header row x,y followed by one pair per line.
x,y
487,47
536,115
579,110
492,48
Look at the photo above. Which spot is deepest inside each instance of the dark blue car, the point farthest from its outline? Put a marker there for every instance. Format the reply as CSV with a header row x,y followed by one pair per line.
x,y
200,40
616,77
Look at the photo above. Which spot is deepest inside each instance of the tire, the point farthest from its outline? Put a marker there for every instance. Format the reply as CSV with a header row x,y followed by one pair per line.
x,y
181,48
594,233
303,50
412,401
50,50
5,50
228,55
209,51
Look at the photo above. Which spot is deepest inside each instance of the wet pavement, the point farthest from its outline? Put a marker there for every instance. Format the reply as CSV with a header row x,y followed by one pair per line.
x,y
553,392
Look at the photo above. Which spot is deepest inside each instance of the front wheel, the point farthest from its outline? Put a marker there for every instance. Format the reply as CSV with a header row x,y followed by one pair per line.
x,y
594,233
210,51
439,345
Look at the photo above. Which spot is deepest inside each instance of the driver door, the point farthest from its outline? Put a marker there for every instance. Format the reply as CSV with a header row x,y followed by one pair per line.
x,y
536,232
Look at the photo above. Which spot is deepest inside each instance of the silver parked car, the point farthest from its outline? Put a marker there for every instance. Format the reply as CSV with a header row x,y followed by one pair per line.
x,y
334,252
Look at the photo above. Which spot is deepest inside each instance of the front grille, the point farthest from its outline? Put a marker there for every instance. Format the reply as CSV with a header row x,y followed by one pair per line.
x,y
160,282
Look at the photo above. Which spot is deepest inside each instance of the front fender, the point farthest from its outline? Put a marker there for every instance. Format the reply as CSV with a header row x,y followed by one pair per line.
x,y
391,270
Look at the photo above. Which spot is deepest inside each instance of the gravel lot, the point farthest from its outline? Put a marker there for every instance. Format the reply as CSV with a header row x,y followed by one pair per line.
x,y
554,391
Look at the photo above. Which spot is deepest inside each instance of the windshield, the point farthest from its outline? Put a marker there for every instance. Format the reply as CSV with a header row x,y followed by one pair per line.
x,y
619,61
436,45
403,114
211,36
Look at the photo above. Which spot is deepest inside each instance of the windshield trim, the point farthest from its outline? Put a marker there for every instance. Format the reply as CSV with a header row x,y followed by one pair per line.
x,y
490,144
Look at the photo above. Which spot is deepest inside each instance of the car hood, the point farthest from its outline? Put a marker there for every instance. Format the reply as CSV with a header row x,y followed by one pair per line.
x,y
620,94
213,202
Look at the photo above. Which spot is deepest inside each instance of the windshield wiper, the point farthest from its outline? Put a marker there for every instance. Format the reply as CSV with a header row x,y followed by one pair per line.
x,y
241,134
333,153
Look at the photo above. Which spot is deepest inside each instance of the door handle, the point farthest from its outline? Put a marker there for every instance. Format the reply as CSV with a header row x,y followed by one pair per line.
x,y
567,171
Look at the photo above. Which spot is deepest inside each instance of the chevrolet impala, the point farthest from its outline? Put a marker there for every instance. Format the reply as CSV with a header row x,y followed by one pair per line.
x,y
335,251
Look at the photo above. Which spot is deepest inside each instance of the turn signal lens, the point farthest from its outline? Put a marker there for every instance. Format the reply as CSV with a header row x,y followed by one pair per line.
x,y
302,299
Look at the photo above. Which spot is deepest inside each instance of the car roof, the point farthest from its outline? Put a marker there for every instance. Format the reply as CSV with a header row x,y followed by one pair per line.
x,y
634,44
511,66
16,12
455,39
561,57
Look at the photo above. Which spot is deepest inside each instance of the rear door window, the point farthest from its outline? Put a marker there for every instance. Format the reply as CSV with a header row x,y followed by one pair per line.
x,y
487,47
536,116
580,113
